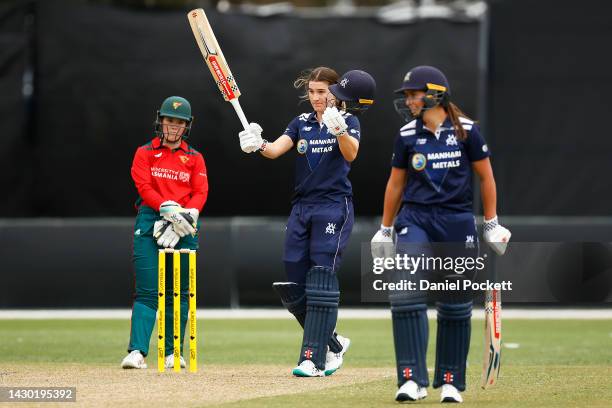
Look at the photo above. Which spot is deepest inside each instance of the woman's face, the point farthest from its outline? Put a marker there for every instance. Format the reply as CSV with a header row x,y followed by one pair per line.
x,y
414,101
173,129
318,95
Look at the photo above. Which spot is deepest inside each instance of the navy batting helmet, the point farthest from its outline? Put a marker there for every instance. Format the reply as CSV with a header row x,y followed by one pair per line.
x,y
356,88
428,79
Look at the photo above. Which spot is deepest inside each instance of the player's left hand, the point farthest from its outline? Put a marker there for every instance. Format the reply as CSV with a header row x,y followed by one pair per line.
x,y
333,120
496,236
164,234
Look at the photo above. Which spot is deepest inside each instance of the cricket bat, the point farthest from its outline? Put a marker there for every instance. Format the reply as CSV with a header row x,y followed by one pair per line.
x,y
205,37
492,354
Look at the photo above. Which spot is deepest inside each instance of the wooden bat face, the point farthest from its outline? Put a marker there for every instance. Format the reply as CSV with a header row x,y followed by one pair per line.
x,y
492,355
209,47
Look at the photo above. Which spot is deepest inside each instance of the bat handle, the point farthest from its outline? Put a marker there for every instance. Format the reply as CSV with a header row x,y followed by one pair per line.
x,y
240,113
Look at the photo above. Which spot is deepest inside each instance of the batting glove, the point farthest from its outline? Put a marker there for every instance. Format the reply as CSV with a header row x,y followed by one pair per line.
x,y
183,220
496,236
164,234
333,120
382,243
250,139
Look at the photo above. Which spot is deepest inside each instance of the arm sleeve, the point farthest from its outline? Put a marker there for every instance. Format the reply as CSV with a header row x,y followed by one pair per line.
x,y
141,174
354,128
293,130
199,185
476,146
400,154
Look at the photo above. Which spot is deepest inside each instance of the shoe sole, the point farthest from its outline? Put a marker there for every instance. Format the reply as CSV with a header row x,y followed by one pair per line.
x,y
449,399
299,373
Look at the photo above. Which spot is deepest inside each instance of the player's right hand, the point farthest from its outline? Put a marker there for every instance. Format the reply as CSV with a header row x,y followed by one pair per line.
x,y
382,243
181,219
165,234
250,139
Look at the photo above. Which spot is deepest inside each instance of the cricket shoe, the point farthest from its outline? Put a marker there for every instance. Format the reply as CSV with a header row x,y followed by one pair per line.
x,y
134,360
450,394
169,362
333,361
410,391
308,369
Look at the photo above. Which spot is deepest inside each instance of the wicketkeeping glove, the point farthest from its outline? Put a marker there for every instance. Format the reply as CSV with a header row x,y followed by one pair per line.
x,y
164,234
382,243
184,221
333,120
496,236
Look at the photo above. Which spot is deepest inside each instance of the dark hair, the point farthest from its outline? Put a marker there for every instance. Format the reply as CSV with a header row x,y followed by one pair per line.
x,y
454,113
323,74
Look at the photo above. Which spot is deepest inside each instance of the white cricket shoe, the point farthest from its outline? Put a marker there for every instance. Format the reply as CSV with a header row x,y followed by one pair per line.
x,y
450,394
333,361
308,369
134,360
169,362
410,391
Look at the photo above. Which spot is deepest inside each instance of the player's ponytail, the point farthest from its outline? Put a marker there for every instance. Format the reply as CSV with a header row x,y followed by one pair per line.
x,y
454,113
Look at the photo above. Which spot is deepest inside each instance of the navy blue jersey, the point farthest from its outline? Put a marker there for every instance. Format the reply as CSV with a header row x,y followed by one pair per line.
x,y
321,172
438,164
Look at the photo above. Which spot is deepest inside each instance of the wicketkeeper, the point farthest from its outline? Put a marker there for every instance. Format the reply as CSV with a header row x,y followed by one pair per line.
x,y
172,185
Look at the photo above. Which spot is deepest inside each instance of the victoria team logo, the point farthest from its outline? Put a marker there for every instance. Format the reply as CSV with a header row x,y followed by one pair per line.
x,y
419,162
302,146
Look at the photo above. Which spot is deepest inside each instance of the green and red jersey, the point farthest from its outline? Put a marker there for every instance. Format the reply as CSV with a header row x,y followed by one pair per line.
x,y
162,174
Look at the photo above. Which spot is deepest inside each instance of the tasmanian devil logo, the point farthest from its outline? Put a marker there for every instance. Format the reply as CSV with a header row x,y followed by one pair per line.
x,y
176,105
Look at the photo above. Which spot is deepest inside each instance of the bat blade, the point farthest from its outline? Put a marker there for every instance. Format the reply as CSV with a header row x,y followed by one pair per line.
x,y
209,47
492,352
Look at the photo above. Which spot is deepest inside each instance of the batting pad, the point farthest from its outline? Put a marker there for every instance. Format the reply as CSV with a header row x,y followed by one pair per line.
x,y
322,298
453,343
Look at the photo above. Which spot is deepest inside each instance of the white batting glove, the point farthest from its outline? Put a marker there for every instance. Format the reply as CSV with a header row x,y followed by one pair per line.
x,y
164,234
250,139
496,236
382,243
182,219
333,120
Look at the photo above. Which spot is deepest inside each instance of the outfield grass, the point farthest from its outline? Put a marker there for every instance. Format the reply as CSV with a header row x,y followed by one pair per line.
x,y
557,362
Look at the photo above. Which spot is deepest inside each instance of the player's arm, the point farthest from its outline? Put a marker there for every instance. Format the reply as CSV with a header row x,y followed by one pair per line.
x,y
349,146
393,194
141,174
277,148
495,234
488,189
199,185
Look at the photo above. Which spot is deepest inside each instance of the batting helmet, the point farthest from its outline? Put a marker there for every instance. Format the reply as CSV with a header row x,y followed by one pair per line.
x,y
356,88
174,107
428,79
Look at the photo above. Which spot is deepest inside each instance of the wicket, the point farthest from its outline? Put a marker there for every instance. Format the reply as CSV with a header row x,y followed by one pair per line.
x,y
161,316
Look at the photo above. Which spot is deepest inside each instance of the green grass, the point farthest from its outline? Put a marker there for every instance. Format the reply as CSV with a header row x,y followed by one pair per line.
x,y
558,362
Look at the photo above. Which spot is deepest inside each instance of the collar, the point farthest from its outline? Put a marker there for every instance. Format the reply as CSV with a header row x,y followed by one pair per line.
x,y
156,143
312,118
444,126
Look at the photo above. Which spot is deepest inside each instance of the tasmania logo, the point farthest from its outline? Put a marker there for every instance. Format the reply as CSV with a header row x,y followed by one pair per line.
x,y
184,159
448,377
308,354
176,105
407,373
